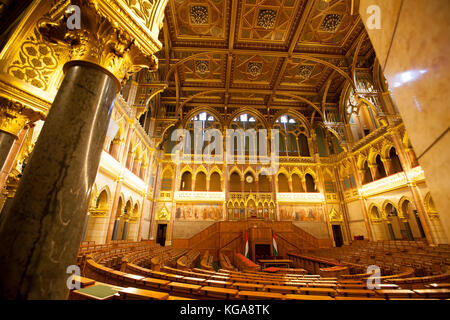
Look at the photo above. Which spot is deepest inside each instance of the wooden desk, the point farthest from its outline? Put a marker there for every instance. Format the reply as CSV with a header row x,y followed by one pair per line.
x,y
248,286
318,291
84,282
438,285
218,283
281,289
193,280
433,293
179,298
155,283
184,287
221,293
142,294
132,277
273,263
259,295
306,297
355,292
357,298
397,293
96,292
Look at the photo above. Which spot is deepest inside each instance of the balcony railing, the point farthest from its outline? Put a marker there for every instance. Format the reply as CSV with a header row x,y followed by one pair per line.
x,y
196,196
300,197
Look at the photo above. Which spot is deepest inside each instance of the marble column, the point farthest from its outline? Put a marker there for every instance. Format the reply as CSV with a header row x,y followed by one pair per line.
x,y
412,48
6,142
359,183
14,117
43,228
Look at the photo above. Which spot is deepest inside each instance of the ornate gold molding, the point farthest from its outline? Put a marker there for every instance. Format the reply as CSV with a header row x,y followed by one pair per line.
x,y
100,40
14,116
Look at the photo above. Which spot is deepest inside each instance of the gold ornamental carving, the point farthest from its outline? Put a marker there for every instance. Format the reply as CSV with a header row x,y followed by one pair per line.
x,y
36,61
98,41
14,116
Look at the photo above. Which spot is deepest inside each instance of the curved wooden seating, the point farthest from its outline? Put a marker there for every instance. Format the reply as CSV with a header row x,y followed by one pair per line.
x,y
409,282
245,264
199,283
207,261
225,262
188,260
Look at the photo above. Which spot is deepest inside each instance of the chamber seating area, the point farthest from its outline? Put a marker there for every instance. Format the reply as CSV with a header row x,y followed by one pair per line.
x,y
122,271
391,256
188,260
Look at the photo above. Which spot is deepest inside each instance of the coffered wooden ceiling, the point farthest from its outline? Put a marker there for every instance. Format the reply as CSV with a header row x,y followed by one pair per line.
x,y
266,54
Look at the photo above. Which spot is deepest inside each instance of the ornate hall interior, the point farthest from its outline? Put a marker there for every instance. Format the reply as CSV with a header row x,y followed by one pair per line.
x,y
224,149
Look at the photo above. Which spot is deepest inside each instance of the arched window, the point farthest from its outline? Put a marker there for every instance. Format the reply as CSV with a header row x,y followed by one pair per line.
x,y
303,142
320,140
367,175
380,167
283,183
200,181
202,121
264,183
375,213
395,161
310,184
102,201
293,140
214,182
250,139
296,183
235,182
186,181
360,115
390,210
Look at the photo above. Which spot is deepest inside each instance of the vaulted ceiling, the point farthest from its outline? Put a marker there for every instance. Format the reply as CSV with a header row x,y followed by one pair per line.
x,y
266,54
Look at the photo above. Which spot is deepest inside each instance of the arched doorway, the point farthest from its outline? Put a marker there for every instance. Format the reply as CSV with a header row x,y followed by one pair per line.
x,y
380,227
393,222
310,184
412,220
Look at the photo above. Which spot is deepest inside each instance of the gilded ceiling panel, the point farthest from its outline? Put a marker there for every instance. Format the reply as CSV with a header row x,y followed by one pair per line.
x,y
328,24
254,69
195,19
267,20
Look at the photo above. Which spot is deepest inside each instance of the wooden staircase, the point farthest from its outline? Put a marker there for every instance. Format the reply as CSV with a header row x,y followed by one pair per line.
x,y
229,237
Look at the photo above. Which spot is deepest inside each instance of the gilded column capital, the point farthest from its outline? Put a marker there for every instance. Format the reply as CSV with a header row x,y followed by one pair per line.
x,y
101,40
12,183
14,116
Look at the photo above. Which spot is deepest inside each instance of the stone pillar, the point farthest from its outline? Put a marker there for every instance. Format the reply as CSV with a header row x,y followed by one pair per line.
x,y
113,220
13,118
13,154
387,166
115,148
422,99
421,211
374,171
361,199
54,193
290,183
